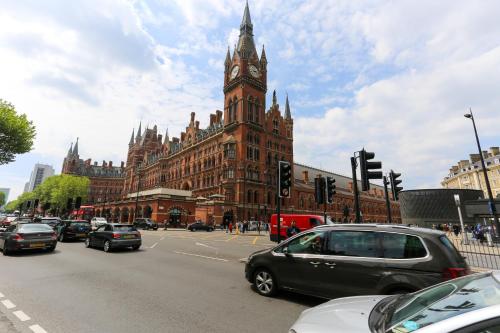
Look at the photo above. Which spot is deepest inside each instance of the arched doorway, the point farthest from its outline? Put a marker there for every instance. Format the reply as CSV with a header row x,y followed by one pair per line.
x,y
125,215
228,217
148,211
116,214
175,217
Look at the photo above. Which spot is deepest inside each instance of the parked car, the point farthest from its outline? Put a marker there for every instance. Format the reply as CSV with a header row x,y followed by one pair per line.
x,y
27,236
96,222
303,222
112,236
73,229
345,260
200,226
8,220
468,304
53,222
145,223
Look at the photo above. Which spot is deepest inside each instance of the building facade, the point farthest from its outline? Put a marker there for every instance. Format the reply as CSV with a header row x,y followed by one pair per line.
x,y
6,192
38,175
227,170
468,174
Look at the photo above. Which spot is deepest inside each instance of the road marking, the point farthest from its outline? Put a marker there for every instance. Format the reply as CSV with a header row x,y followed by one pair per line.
x,y
37,329
243,260
199,255
235,236
153,246
21,315
162,238
2,295
8,304
205,245
255,240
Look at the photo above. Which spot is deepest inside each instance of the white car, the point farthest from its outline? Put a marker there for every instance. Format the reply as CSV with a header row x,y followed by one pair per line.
x,y
96,222
469,304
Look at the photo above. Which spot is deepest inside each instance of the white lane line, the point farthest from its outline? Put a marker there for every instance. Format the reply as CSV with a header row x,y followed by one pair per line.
x,y
37,329
2,295
162,238
8,304
199,255
153,246
205,245
21,315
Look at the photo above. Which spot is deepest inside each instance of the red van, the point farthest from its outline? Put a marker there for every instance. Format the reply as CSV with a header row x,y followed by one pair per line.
x,y
303,222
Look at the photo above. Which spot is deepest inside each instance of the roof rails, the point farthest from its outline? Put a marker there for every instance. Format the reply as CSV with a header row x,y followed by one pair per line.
x,y
379,225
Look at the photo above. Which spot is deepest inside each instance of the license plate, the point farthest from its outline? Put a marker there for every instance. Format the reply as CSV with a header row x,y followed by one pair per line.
x,y
128,236
35,245
81,235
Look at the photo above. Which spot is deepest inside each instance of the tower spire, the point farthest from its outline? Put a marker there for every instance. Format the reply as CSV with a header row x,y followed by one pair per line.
x,y
228,58
70,151
132,138
75,148
274,98
138,137
166,137
246,45
288,114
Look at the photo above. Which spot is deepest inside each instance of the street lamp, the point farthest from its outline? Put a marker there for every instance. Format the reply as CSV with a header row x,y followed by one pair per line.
x,y
491,203
138,174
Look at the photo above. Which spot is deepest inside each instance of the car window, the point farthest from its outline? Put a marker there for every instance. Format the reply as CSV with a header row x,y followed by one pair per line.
x,y
108,228
353,244
486,326
34,227
124,228
311,243
431,305
314,222
101,228
400,246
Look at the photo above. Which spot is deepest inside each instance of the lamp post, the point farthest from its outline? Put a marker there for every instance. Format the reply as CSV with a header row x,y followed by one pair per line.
x,y
138,173
491,203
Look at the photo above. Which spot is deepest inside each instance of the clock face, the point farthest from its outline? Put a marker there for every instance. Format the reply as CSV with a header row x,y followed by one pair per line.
x,y
254,71
234,71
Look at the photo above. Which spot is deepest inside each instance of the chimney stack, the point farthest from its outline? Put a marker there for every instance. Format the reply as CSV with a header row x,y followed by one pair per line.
x,y
218,115
122,164
305,176
197,125
212,119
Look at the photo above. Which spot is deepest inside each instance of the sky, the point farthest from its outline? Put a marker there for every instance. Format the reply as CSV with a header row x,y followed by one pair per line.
x,y
394,77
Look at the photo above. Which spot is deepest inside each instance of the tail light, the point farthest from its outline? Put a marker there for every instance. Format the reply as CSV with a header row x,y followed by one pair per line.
x,y
116,236
54,236
453,273
17,237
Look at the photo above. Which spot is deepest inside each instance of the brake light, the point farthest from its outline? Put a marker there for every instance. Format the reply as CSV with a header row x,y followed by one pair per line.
x,y
116,236
17,237
54,236
453,273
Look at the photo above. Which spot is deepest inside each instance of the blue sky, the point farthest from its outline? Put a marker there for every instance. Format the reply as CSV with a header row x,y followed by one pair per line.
x,y
392,76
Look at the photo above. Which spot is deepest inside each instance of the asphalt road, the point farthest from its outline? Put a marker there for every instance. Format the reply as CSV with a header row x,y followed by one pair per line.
x,y
177,282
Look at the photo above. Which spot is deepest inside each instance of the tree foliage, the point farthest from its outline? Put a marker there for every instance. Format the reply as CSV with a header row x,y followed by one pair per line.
x,y
55,190
16,133
2,199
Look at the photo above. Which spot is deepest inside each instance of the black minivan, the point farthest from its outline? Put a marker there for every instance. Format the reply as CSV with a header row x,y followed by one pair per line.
x,y
363,259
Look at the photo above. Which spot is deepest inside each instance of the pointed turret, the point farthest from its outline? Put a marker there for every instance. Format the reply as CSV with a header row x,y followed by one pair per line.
x,y
132,138
227,62
275,101
70,151
288,114
246,45
138,137
75,148
166,137
263,58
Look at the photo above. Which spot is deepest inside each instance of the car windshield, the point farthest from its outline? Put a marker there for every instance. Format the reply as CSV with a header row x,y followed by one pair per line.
x,y
34,228
413,311
124,228
79,224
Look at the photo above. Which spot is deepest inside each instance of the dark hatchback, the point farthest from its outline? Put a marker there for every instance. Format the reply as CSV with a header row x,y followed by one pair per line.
x,y
72,229
144,223
200,226
28,236
113,236
52,222
348,260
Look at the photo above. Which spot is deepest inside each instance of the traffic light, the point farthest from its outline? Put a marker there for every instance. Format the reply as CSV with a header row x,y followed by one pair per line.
x,y
330,189
78,202
285,179
365,167
319,190
393,177
69,204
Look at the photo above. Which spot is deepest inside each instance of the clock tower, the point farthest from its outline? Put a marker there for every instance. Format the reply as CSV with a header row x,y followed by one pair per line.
x,y
245,79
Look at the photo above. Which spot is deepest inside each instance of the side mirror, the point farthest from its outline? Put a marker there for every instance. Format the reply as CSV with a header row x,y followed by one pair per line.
x,y
285,251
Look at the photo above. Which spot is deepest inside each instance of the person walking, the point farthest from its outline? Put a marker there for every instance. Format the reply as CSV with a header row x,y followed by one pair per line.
x,y
230,227
258,227
292,230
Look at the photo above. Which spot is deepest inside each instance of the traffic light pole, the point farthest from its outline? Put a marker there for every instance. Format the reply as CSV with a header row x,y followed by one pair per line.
x,y
356,191
387,202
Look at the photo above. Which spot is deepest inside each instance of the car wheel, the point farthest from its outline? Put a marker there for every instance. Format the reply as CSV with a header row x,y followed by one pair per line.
x,y
51,249
87,242
265,282
61,237
5,251
136,247
107,246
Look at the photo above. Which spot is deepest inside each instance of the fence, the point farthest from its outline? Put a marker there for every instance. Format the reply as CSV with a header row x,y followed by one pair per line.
x,y
478,253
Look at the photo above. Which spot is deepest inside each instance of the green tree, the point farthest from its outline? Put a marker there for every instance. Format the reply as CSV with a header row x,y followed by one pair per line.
x,y
58,189
2,199
16,133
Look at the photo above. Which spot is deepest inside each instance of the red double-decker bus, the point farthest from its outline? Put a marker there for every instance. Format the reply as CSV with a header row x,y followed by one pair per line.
x,y
83,213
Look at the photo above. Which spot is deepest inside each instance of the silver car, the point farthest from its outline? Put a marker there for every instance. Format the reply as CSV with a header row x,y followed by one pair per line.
x,y
470,304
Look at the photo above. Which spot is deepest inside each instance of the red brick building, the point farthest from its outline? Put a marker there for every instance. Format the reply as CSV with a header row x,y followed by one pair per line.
x,y
226,171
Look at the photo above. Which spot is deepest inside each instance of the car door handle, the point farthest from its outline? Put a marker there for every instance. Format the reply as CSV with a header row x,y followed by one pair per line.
x,y
315,263
331,264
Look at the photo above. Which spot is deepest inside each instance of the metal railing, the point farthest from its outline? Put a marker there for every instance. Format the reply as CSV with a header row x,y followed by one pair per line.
x,y
482,252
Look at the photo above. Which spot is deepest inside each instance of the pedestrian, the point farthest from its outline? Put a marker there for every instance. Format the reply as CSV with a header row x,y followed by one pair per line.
x,y
230,227
258,227
292,229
